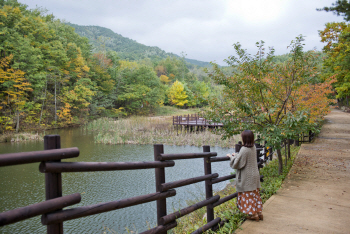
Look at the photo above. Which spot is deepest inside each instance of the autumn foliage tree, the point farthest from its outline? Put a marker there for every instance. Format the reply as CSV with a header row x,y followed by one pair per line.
x,y
337,63
272,99
177,94
13,94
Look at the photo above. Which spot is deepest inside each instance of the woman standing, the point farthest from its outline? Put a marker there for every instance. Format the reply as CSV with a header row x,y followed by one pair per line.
x,y
247,178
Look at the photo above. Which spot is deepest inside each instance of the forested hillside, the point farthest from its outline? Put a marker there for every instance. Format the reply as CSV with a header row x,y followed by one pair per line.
x,y
51,77
105,39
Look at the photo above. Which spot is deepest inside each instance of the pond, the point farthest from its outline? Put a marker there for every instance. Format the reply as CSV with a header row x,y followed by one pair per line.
x,y
23,185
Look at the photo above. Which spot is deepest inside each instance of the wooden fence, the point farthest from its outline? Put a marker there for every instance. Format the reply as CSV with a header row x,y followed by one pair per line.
x,y
51,210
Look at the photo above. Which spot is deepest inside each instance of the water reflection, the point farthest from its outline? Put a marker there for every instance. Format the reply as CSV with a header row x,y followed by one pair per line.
x,y
24,185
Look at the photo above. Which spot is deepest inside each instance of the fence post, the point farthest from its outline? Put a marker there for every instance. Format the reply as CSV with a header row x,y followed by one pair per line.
x,y
53,181
208,185
296,142
238,147
310,136
160,179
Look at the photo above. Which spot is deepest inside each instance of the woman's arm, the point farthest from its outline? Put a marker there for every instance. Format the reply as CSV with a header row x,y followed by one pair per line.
x,y
240,160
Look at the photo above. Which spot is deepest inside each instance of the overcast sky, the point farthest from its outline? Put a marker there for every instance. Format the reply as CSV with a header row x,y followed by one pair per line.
x,y
203,29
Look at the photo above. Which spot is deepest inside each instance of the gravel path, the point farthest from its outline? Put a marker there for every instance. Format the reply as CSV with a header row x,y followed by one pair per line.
x,y
315,197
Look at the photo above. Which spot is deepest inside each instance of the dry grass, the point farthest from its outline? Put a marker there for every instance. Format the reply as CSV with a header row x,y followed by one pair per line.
x,y
18,137
152,130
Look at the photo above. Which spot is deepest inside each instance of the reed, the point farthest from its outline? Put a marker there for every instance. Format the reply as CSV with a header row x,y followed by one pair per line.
x,y
153,130
19,137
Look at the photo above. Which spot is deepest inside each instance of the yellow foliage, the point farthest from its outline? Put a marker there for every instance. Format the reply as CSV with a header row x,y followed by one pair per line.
x,y
15,83
65,113
128,65
164,79
177,95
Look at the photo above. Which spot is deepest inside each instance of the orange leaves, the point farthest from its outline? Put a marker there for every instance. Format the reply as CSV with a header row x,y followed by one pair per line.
x,y
65,113
313,97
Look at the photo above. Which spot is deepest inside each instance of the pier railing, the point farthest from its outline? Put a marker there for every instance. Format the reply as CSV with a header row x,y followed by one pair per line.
x,y
51,210
194,120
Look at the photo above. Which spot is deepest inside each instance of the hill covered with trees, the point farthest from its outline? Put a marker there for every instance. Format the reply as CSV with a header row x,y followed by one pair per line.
x,y
50,76
105,39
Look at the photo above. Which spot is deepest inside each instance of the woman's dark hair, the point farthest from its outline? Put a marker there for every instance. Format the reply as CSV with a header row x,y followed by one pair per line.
x,y
247,138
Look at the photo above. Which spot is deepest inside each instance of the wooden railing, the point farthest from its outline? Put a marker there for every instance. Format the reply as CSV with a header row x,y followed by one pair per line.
x,y
194,120
51,210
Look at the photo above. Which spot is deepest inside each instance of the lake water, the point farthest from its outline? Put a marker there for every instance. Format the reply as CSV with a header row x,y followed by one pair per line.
x,y
23,185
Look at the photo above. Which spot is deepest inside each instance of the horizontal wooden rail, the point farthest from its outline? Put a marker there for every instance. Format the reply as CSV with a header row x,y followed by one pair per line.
x,y
37,156
219,159
180,183
225,199
161,228
19,214
60,216
185,156
57,167
223,178
207,226
171,217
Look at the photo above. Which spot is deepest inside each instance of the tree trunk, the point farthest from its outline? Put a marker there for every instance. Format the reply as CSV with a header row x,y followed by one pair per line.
x,y
55,103
288,142
285,152
17,125
280,162
42,106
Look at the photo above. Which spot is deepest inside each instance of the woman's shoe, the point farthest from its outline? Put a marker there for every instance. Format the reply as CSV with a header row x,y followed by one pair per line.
x,y
253,217
261,216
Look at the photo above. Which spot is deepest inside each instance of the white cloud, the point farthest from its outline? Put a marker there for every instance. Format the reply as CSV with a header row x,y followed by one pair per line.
x,y
203,29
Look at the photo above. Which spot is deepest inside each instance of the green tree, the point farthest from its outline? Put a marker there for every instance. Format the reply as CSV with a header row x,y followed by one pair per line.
x,y
263,96
337,63
340,8
140,89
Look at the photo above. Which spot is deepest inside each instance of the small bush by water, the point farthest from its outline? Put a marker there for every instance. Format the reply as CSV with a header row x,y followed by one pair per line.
x,y
152,130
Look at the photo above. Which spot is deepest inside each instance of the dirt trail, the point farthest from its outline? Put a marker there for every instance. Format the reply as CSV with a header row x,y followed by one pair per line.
x,y
315,197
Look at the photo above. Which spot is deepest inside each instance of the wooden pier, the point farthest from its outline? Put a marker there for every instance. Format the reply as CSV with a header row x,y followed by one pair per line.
x,y
194,120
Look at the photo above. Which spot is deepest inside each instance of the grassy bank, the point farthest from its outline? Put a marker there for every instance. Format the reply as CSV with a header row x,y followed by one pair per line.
x,y
229,211
18,137
152,130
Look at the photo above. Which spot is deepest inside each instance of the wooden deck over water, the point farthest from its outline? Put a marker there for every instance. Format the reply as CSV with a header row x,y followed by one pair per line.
x,y
194,120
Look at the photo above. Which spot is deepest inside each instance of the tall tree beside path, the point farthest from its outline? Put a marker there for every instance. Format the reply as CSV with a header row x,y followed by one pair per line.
x,y
272,99
337,63
340,8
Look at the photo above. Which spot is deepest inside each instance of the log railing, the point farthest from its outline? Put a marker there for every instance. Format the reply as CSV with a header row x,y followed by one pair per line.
x,y
51,210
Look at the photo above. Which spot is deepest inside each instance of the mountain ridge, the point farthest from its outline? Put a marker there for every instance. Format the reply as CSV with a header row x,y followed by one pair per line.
x,y
102,38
